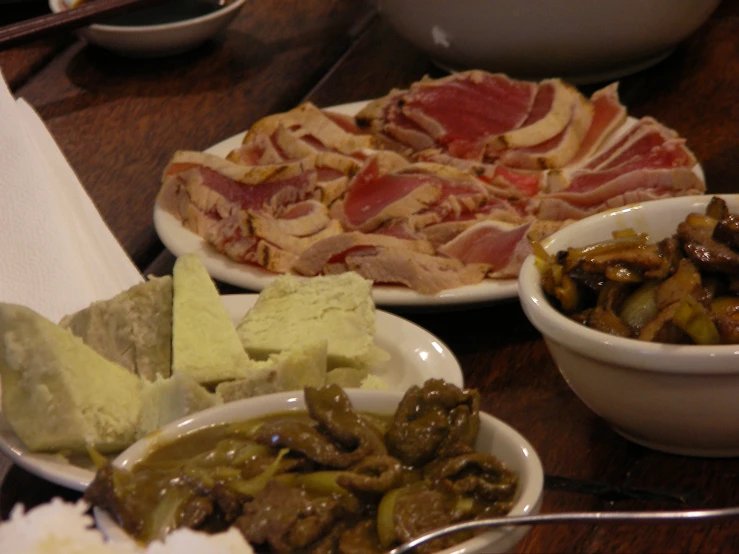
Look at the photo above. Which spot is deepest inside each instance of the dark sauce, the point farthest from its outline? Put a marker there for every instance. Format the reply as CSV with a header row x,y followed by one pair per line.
x,y
167,12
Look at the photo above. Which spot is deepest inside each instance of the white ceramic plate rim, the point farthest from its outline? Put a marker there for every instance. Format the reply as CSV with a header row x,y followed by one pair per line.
x,y
179,241
511,441
684,359
56,7
416,355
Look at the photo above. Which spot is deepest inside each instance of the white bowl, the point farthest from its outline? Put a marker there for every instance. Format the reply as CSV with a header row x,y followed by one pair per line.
x,y
157,40
494,437
676,398
582,40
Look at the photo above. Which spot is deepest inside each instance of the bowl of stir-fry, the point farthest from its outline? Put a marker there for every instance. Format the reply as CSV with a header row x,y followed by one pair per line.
x,y
326,470
639,308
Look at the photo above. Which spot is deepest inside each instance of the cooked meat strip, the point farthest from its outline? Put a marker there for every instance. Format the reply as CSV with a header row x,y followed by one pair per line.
x,y
361,539
421,510
286,518
476,474
431,419
306,439
332,409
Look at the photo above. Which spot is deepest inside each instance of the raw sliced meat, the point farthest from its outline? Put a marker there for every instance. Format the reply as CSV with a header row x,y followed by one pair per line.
x,y
551,113
559,149
608,115
200,189
633,186
458,113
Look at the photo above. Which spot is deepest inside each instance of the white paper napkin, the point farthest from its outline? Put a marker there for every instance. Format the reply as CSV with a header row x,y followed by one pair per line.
x,y
57,255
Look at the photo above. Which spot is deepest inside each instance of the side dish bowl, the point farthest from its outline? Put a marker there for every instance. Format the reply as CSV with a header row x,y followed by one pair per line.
x,y
581,40
676,398
494,437
156,31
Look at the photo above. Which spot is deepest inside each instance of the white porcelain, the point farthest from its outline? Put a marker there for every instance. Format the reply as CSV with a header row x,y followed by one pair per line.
x,y
582,40
494,437
415,356
157,40
675,398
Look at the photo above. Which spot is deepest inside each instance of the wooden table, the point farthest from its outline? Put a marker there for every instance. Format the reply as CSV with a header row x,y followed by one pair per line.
x,y
119,120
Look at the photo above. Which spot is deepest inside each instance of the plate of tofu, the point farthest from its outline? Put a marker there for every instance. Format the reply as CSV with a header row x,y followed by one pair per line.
x,y
122,368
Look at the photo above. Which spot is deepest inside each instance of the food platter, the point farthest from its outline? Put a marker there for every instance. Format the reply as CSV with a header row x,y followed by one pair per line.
x,y
415,355
181,241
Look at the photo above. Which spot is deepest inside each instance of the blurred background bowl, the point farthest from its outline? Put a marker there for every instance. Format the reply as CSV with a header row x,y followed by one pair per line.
x,y
581,40
494,437
675,398
161,30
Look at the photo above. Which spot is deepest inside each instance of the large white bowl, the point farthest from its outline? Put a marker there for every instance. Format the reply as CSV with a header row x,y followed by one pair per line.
x,y
583,40
682,399
157,40
494,437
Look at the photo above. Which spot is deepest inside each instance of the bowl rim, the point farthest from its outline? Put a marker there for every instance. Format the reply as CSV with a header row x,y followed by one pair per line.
x,y
598,345
56,7
529,494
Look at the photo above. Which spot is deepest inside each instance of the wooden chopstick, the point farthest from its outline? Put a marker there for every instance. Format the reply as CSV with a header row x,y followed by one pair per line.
x,y
85,13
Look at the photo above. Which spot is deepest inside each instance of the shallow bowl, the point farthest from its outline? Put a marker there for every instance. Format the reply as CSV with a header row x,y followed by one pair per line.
x,y
675,398
581,40
141,34
494,437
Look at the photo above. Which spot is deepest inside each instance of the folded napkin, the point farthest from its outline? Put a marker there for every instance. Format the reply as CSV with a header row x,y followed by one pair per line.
x,y
57,255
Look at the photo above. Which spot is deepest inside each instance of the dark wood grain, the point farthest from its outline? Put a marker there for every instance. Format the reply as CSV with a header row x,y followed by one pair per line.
x,y
119,120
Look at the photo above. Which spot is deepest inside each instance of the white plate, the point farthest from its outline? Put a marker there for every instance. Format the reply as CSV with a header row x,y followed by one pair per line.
x,y
179,241
415,355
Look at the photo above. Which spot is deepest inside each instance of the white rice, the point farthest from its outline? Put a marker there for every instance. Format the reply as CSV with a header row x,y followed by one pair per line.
x,y
60,527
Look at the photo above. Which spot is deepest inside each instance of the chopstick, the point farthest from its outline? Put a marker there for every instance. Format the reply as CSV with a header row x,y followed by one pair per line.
x,y
85,13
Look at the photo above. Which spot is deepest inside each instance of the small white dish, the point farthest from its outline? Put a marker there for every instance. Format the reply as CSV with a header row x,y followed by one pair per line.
x,y
415,356
159,39
676,398
495,437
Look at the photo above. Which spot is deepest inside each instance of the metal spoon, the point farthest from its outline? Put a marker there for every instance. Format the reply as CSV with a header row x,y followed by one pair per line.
x,y
569,517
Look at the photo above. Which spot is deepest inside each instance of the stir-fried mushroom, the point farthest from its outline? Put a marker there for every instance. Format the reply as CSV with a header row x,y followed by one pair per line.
x,y
664,292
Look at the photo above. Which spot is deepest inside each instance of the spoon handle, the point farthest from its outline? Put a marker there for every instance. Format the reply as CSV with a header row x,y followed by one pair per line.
x,y
569,517
73,18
